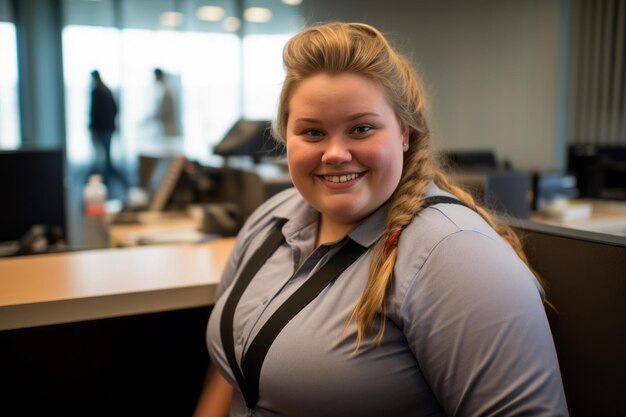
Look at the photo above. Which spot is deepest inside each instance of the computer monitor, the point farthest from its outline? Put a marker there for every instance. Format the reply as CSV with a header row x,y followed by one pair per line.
x,y
585,273
31,191
470,160
249,138
164,180
161,177
600,170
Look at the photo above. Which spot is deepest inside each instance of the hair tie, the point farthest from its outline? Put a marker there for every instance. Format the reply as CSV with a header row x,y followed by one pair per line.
x,y
392,240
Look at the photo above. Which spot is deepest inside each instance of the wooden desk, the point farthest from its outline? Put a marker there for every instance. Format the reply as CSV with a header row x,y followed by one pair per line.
x,y
75,286
127,235
606,217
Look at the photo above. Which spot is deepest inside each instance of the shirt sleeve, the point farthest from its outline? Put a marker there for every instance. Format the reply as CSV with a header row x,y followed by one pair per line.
x,y
475,321
229,273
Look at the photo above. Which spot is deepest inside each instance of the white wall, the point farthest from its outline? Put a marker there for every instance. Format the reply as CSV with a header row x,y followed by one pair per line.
x,y
490,67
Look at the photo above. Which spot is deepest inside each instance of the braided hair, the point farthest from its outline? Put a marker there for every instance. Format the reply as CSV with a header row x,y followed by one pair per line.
x,y
335,48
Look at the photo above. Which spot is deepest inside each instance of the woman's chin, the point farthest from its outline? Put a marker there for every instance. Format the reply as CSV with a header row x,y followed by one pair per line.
x,y
344,214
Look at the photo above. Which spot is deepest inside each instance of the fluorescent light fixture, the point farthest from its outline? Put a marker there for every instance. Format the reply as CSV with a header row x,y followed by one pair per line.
x,y
257,14
210,13
292,2
171,18
232,23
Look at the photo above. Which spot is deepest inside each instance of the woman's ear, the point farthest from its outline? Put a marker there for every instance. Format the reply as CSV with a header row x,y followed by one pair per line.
x,y
406,130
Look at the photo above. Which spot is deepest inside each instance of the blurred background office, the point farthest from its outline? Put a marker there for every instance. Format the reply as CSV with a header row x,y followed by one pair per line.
x,y
527,101
529,81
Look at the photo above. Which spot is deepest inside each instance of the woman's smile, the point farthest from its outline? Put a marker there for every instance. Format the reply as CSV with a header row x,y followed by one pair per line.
x,y
344,146
341,180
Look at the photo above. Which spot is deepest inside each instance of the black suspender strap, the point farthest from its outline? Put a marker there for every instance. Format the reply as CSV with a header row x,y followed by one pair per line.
x,y
257,260
255,356
439,199
248,377
249,374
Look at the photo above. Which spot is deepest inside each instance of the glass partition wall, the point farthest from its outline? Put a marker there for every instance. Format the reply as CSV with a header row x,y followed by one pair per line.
x,y
220,59
9,113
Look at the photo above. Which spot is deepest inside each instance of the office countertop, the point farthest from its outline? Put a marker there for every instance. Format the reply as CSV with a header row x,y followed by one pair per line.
x,y
605,216
76,286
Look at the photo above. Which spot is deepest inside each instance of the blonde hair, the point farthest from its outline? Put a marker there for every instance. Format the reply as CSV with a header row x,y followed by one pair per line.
x,y
361,49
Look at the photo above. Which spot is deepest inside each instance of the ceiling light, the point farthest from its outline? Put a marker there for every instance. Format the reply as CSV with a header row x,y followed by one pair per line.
x,y
210,13
292,2
171,18
257,14
232,23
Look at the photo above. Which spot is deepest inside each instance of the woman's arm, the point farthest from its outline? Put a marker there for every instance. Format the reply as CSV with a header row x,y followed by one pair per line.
x,y
215,397
479,332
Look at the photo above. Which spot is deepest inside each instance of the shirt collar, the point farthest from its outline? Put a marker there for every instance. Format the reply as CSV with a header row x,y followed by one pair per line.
x,y
301,216
373,226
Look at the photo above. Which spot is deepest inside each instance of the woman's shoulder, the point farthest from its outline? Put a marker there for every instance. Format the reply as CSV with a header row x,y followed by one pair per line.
x,y
450,234
438,222
451,251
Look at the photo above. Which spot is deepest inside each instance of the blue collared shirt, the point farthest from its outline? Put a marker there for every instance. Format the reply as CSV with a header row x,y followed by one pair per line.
x,y
466,333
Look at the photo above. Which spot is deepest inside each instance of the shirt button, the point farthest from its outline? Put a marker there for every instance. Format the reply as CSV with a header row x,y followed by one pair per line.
x,y
264,300
240,341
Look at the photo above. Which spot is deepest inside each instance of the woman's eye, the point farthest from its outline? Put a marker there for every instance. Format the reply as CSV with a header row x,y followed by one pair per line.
x,y
362,130
312,133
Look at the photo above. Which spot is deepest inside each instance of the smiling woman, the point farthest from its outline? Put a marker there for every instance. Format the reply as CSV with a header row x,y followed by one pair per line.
x,y
344,149
375,287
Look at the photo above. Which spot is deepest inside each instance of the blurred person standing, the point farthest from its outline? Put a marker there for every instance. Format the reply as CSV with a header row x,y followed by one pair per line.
x,y
165,112
102,113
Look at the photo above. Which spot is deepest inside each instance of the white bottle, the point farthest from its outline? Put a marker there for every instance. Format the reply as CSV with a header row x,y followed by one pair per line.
x,y
94,196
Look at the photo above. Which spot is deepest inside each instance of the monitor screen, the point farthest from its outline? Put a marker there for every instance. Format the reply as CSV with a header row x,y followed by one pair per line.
x,y
249,138
163,181
31,191
600,170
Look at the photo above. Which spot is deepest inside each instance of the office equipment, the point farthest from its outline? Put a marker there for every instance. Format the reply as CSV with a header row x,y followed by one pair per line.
x,y
161,178
550,186
474,160
175,183
600,170
509,192
506,192
38,239
585,275
249,138
31,191
222,219
163,181
196,183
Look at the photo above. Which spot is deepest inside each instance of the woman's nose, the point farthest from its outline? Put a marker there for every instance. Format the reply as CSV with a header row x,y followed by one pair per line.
x,y
337,151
